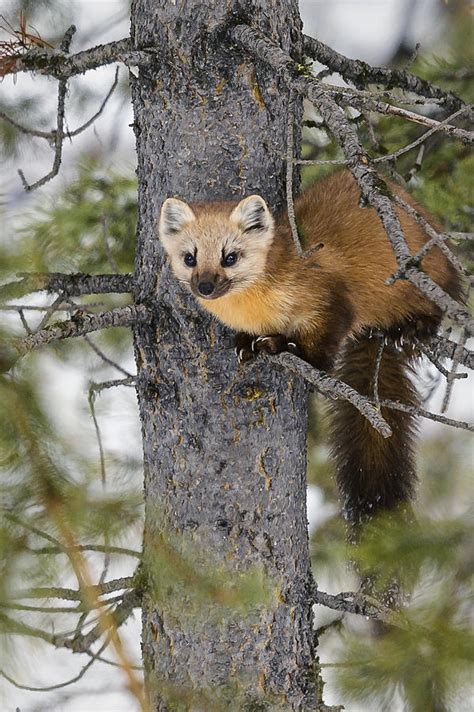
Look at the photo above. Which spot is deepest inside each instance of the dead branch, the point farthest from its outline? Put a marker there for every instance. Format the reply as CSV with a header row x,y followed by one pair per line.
x,y
49,688
361,73
290,154
58,138
52,135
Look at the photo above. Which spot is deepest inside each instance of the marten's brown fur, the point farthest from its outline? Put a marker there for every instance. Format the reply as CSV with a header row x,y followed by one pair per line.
x,y
244,268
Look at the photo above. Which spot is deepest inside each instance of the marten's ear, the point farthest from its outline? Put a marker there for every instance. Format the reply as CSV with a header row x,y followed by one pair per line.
x,y
252,214
175,214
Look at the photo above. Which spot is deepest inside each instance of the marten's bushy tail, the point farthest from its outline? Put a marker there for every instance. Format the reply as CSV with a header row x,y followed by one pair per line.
x,y
373,473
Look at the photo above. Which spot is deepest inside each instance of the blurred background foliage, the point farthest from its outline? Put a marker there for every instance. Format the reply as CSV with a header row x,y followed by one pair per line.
x,y
87,223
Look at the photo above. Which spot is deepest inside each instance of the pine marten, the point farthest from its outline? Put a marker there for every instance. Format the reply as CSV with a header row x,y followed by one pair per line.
x,y
242,265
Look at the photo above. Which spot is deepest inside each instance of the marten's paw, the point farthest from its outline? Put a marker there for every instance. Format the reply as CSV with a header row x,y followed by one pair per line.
x,y
243,347
274,344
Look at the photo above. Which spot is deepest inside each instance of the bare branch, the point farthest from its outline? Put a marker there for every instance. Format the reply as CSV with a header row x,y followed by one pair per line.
x,y
399,152
58,137
429,354
436,239
89,122
362,73
421,139
120,550
360,604
333,389
72,285
378,363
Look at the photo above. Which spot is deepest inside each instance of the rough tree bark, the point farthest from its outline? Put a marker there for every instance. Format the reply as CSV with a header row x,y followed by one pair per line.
x,y
224,446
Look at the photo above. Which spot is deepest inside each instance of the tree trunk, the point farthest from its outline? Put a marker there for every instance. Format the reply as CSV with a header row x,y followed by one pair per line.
x,y
224,446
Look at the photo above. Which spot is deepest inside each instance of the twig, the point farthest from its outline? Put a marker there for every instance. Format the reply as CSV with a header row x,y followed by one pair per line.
x,y
378,363
120,550
97,387
429,354
395,405
399,152
453,375
442,347
23,321
52,308
57,686
421,139
58,142
58,137
51,135
103,475
105,358
290,154
360,604
89,122
436,238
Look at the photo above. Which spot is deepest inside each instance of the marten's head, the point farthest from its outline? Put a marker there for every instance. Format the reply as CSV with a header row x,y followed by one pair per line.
x,y
217,247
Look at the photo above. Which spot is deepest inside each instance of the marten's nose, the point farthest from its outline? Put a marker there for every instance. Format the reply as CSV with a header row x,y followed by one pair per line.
x,y
205,288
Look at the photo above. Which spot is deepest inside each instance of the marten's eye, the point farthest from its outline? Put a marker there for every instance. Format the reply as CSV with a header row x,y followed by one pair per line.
x,y
189,260
229,259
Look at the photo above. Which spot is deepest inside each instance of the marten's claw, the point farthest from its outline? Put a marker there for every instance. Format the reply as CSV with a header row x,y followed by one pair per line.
x,y
243,347
274,344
